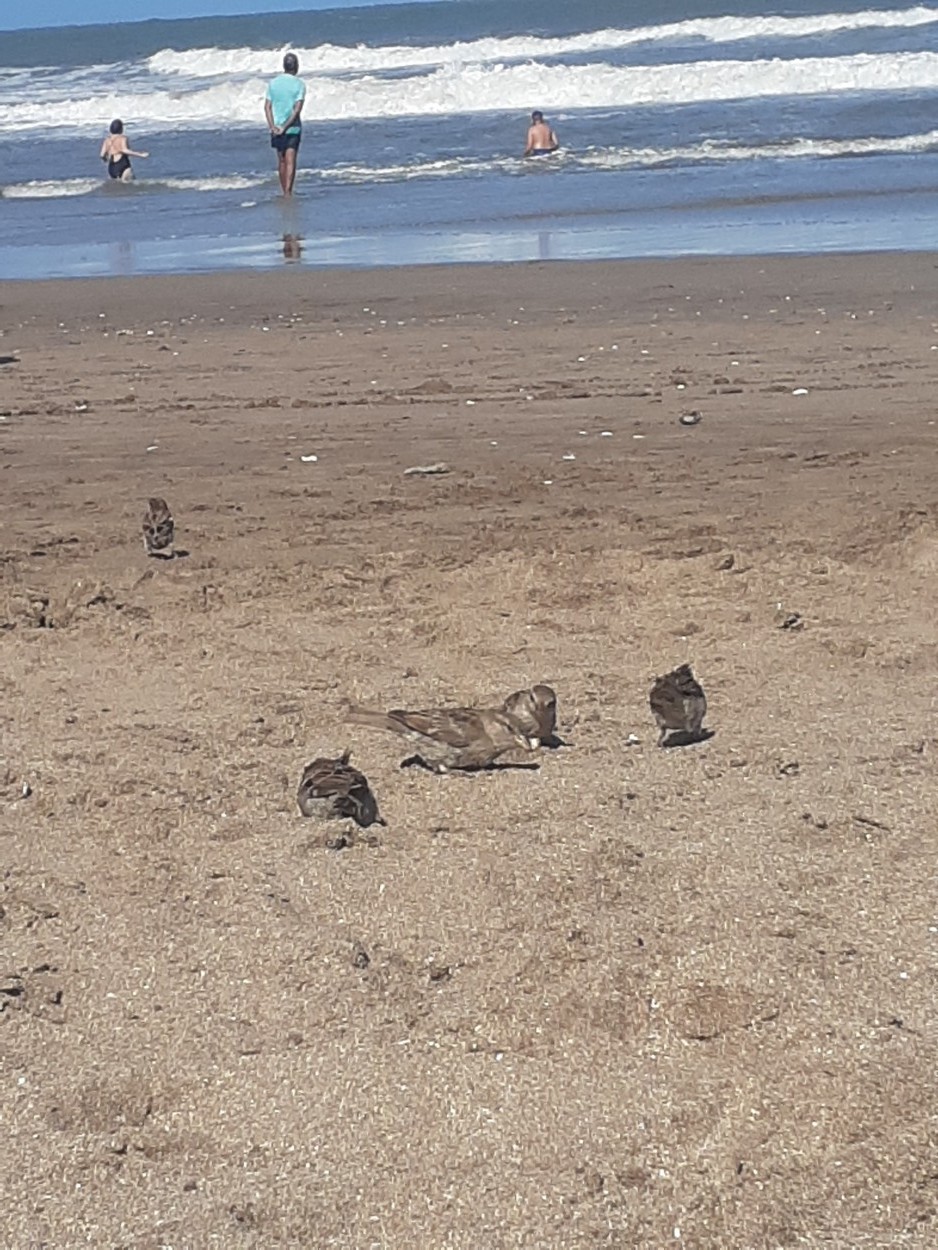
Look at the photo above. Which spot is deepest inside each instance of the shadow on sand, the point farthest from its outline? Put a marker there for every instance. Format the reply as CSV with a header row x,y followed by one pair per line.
x,y
417,761
168,555
680,738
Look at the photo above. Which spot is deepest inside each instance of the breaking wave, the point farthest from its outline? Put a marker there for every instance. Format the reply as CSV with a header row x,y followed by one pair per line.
x,y
332,59
480,88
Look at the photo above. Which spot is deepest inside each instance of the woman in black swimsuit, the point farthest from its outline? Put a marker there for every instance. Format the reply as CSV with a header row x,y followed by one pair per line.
x,y
115,151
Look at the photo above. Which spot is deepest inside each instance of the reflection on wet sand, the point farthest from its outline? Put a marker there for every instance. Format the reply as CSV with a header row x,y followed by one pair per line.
x,y
292,248
122,257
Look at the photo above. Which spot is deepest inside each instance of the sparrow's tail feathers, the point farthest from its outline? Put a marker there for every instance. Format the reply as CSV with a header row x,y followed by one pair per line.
x,y
373,719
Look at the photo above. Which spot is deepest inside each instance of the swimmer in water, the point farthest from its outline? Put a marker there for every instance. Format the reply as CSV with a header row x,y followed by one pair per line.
x,y
115,151
541,139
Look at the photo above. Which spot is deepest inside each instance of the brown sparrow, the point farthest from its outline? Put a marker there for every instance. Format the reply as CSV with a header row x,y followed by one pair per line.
x,y
678,704
451,737
158,529
334,790
534,711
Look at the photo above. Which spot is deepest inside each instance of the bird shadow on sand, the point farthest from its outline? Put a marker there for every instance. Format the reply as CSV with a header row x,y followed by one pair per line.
x,y
9,360
168,555
682,738
417,761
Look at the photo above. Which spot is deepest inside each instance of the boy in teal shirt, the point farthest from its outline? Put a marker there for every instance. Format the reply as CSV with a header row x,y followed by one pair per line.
x,y
286,95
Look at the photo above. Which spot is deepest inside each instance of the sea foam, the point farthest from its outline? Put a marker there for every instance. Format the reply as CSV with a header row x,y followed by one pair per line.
x,y
65,188
609,157
479,88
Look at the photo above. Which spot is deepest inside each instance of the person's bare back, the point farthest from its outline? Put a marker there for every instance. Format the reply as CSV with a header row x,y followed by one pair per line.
x,y
541,139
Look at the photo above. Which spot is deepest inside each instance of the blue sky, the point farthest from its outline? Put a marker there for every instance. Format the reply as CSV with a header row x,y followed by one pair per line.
x,y
88,12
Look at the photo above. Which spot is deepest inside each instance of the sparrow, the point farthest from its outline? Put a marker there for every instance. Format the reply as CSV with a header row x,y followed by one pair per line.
x,y
453,737
534,712
334,790
158,529
678,704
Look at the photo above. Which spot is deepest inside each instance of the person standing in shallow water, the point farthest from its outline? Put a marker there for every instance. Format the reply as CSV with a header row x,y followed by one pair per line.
x,y
286,95
541,139
116,151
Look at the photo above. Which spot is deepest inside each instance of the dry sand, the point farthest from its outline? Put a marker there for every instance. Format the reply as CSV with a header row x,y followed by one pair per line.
x,y
635,998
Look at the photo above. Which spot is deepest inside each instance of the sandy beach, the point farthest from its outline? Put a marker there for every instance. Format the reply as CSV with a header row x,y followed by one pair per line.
x,y
635,997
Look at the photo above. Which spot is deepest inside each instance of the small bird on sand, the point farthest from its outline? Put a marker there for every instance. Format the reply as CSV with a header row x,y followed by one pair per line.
x,y
334,790
534,712
678,704
158,529
453,737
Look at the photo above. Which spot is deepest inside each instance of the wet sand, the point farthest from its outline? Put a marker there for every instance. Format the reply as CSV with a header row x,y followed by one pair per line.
x,y
635,997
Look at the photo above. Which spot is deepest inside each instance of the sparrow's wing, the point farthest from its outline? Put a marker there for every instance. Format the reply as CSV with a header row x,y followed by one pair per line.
x,y
689,686
162,534
158,525
346,786
325,777
665,698
480,753
362,805
456,727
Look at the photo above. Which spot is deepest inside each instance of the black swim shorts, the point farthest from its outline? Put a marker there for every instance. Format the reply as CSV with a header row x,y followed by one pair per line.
x,y
283,143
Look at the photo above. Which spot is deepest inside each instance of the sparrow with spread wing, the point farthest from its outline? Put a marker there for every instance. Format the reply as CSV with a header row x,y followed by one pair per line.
x,y
455,737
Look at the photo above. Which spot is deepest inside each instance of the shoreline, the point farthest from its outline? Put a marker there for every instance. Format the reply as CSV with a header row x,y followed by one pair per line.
x,y
909,271
858,224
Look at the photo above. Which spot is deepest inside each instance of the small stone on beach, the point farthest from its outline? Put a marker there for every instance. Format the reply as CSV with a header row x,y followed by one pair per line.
x,y
427,470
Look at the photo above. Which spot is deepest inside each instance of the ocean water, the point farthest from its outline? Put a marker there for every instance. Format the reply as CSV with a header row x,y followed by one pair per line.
x,y
687,128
